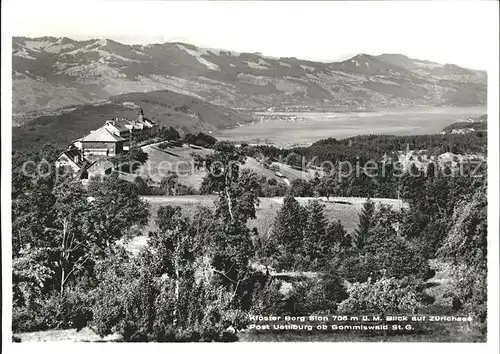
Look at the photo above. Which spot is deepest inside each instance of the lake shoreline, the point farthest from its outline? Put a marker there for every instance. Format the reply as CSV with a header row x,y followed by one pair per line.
x,y
309,127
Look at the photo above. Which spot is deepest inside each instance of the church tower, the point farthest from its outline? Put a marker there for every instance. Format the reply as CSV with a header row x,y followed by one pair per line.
x,y
140,117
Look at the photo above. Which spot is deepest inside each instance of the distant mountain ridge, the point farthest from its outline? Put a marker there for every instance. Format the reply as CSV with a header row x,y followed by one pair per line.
x,y
51,73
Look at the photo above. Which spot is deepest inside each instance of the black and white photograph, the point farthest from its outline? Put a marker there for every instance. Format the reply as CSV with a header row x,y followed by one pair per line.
x,y
268,171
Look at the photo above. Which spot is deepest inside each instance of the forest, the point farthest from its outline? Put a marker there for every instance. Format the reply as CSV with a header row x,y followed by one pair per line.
x,y
200,277
374,147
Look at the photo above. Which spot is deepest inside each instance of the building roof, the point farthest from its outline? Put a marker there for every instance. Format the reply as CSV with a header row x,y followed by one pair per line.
x,y
149,123
122,125
81,162
119,124
101,135
100,165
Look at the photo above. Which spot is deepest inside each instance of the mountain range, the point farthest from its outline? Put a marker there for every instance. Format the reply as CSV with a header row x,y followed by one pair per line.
x,y
51,74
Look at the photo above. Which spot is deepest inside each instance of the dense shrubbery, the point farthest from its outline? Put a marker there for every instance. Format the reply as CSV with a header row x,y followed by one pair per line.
x,y
385,260
466,245
59,231
365,148
384,296
302,239
318,296
270,187
129,161
301,188
169,133
193,282
200,139
73,309
160,295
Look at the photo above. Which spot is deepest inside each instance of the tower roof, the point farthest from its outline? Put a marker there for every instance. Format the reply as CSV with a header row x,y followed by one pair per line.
x,y
140,116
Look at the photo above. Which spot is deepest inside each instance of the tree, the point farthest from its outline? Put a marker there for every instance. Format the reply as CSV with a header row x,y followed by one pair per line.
x,y
336,235
142,185
384,252
413,183
169,183
174,250
466,246
124,298
136,154
314,239
360,183
75,245
394,255
285,243
267,298
365,223
328,187
466,241
32,214
315,181
237,199
172,291
224,178
129,161
31,270
115,207
60,231
294,160
169,133
300,188
200,139
84,227
33,178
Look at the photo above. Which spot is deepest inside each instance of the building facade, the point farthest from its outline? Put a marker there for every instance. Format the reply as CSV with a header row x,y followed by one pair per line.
x,y
138,129
87,157
116,135
102,143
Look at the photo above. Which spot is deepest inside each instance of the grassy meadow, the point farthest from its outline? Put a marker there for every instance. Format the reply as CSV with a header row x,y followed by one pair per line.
x,y
339,208
179,159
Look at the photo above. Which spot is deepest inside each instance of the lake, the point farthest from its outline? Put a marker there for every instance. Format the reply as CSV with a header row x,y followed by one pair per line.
x,y
313,126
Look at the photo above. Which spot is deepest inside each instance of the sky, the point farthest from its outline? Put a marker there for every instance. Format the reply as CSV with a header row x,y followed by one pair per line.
x,y
443,31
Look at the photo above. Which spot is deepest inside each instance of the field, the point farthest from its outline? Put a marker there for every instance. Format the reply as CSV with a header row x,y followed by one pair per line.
x,y
176,159
318,126
344,209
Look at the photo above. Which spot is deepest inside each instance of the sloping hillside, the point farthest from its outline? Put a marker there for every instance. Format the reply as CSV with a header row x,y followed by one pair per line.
x,y
50,73
179,160
168,108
